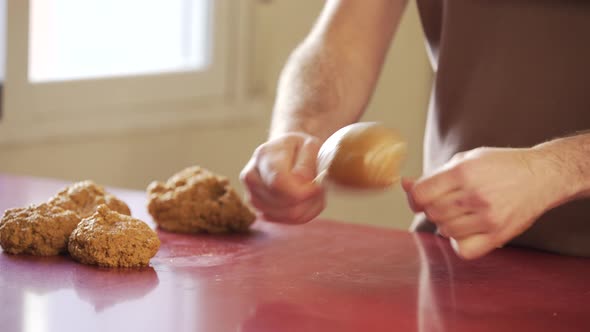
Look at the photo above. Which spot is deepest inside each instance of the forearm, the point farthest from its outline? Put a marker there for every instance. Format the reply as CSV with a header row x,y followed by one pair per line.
x,y
328,80
309,94
568,159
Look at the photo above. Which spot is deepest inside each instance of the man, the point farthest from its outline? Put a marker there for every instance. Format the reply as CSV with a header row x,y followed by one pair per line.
x,y
505,159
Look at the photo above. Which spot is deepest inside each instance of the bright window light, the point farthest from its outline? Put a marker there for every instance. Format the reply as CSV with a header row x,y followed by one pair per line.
x,y
2,39
35,317
85,39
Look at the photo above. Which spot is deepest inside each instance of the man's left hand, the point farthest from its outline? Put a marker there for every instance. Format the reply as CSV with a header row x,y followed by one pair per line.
x,y
483,198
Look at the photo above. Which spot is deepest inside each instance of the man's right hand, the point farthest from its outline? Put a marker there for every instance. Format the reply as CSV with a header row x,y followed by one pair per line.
x,y
279,179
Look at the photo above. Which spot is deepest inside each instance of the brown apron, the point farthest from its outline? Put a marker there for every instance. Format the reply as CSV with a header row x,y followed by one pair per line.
x,y
510,74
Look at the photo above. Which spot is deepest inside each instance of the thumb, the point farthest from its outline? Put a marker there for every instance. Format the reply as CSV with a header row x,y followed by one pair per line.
x,y
305,166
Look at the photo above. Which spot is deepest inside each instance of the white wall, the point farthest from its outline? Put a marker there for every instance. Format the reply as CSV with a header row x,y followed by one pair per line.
x,y
133,159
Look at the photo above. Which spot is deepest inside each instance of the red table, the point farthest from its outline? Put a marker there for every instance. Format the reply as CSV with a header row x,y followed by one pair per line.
x,y
324,276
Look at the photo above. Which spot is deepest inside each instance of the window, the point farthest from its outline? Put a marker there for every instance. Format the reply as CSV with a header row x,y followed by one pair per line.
x,y
82,66
2,39
73,39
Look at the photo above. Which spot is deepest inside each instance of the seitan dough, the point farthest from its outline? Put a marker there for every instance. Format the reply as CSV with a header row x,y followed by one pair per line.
x,y
197,200
111,239
84,197
41,230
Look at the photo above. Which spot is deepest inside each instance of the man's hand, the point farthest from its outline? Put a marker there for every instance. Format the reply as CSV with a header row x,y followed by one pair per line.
x,y
485,197
326,84
279,178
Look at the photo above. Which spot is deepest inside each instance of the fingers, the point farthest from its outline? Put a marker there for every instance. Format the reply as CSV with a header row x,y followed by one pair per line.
x,y
478,199
305,165
274,172
482,240
456,213
449,207
279,177
462,227
315,209
296,214
429,189
275,166
280,194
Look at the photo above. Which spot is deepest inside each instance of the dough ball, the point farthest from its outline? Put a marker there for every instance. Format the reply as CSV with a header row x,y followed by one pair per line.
x,y
85,196
41,230
111,239
197,200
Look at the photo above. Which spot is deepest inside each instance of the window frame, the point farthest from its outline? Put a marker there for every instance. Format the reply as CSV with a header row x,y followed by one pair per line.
x,y
62,109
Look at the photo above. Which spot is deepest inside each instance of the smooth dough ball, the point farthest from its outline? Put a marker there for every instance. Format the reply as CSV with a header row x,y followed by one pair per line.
x,y
196,200
85,196
41,230
111,239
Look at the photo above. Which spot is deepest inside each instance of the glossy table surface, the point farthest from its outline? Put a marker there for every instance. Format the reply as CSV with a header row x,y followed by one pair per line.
x,y
324,276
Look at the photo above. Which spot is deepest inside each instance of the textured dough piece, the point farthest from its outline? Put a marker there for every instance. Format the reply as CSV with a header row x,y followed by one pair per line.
x,y
197,200
41,230
85,196
111,239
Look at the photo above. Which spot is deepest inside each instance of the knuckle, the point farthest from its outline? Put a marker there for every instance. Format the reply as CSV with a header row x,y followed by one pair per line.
x,y
470,200
483,204
476,197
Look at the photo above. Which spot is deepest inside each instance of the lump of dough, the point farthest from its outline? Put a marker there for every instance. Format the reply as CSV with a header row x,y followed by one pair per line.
x,y
196,200
84,197
41,230
111,239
